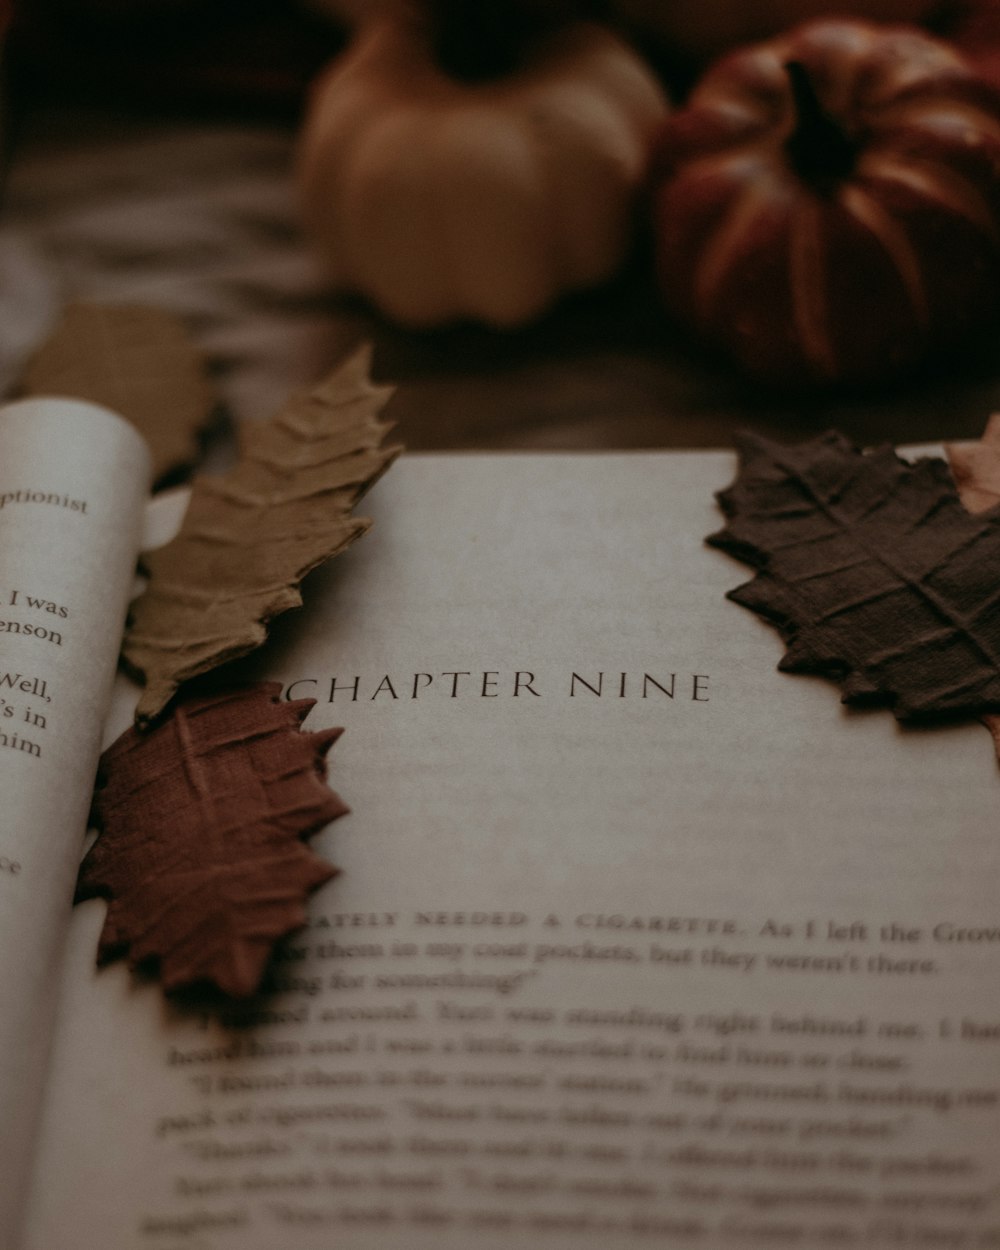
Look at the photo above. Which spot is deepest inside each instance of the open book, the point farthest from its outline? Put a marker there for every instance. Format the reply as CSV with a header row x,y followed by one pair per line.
x,y
637,941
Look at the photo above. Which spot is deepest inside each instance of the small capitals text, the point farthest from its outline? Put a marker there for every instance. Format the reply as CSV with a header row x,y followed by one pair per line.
x,y
496,684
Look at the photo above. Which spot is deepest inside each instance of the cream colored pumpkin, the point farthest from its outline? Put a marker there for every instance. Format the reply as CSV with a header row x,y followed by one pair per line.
x,y
441,200
710,26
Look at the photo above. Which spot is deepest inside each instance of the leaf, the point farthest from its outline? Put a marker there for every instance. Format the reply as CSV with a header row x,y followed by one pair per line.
x,y
976,470
872,571
250,536
140,363
201,855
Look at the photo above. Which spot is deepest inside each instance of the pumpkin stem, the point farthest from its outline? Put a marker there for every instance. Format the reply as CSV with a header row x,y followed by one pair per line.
x,y
476,40
819,148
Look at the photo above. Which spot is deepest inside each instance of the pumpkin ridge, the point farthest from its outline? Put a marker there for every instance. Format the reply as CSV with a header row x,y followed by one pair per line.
x,y
738,221
561,260
353,155
932,181
391,248
343,138
507,166
807,263
585,246
636,93
924,113
893,241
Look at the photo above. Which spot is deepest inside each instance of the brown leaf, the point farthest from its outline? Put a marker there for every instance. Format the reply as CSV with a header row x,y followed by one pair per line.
x,y
250,536
140,363
201,855
976,470
873,572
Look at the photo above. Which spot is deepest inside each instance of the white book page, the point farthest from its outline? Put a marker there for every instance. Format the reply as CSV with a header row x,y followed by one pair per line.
x,y
684,954
74,479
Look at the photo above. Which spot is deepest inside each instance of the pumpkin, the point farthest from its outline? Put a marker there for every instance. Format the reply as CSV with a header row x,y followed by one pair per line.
x,y
827,205
711,26
975,28
442,197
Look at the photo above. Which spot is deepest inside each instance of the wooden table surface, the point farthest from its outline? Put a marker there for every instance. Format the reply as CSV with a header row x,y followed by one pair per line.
x,y
201,218
606,370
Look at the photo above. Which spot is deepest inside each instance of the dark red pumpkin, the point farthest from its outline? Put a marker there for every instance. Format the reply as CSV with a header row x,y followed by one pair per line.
x,y
827,205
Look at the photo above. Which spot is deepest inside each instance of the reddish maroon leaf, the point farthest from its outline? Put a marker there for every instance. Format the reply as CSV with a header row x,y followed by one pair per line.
x,y
201,854
872,571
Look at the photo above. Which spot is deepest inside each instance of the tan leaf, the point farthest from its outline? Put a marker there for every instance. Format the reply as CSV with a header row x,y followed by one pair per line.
x,y
976,468
140,363
201,854
250,536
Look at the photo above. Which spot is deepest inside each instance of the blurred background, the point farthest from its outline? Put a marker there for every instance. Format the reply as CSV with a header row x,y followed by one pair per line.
x,y
292,177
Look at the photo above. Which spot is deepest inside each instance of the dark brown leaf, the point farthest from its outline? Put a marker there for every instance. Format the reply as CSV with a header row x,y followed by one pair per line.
x,y
201,853
976,470
872,571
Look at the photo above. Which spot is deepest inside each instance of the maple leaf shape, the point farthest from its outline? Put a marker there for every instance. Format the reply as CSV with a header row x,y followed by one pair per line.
x,y
250,536
201,854
140,363
872,571
976,470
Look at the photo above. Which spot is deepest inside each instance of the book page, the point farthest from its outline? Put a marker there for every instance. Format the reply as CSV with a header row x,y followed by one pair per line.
x,y
637,941
74,479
